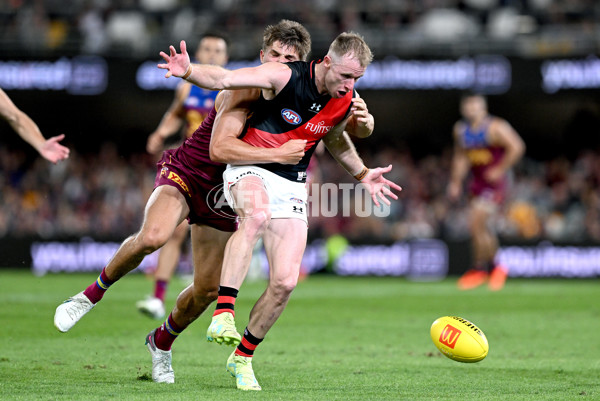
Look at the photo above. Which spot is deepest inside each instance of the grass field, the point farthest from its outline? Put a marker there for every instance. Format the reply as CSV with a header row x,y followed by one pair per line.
x,y
339,339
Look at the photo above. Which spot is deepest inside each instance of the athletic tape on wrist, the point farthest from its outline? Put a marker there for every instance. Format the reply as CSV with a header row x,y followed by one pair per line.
x,y
362,174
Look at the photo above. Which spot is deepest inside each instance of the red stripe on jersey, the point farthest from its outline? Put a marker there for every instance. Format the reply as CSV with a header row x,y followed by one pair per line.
x,y
312,130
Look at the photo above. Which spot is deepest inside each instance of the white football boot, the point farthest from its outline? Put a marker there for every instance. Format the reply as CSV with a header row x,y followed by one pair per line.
x,y
162,372
69,312
152,307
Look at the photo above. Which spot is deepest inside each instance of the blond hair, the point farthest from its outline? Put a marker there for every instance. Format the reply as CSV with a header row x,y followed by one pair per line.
x,y
351,44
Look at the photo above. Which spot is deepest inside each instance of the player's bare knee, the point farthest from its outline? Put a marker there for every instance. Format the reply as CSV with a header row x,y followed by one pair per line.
x,y
282,288
256,223
205,294
153,239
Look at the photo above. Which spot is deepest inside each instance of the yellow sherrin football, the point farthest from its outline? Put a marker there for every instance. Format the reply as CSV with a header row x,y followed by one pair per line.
x,y
459,339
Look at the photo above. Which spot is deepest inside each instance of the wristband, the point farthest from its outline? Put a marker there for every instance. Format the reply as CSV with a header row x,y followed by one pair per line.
x,y
188,72
362,174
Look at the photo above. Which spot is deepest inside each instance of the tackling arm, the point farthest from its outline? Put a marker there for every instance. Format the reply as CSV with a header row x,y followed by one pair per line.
x,y
226,147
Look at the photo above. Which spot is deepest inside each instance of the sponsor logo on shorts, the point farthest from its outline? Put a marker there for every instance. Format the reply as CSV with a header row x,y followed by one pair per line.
x,y
291,117
297,209
296,200
244,174
175,178
449,336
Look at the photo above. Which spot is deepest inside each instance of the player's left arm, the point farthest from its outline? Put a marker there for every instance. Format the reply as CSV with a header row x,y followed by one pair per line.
x,y
504,135
271,76
361,123
27,129
341,147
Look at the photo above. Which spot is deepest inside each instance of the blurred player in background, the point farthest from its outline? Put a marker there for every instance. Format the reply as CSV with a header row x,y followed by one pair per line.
x,y
190,107
27,129
486,147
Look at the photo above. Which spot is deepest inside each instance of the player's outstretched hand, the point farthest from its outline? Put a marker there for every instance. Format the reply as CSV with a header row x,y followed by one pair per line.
x,y
379,186
54,151
176,64
292,151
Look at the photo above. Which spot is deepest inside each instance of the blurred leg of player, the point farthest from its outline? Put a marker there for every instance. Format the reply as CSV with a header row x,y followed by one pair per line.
x,y
208,245
168,260
165,210
485,246
284,241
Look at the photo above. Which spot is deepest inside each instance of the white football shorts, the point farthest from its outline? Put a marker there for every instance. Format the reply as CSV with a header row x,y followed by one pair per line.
x,y
287,199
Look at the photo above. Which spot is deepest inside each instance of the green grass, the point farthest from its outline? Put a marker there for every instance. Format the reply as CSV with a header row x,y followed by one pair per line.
x,y
339,339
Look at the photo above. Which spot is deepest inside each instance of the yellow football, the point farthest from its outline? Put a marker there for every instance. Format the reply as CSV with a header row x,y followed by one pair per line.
x,y
459,339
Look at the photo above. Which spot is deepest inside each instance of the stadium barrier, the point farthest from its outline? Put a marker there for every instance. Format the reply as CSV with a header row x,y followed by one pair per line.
x,y
421,260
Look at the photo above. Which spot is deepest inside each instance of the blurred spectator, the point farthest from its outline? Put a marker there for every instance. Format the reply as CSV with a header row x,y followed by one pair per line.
x,y
137,28
101,195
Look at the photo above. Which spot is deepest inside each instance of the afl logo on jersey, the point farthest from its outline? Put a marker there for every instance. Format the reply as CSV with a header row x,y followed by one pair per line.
x,y
291,117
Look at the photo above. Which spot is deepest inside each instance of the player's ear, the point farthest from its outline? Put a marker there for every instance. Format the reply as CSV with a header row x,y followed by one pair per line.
x,y
262,56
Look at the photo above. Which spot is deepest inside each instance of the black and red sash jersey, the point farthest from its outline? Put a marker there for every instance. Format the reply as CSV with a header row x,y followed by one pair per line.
x,y
297,112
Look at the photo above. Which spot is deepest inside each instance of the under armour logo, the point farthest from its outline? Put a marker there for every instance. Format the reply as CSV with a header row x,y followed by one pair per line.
x,y
315,107
296,209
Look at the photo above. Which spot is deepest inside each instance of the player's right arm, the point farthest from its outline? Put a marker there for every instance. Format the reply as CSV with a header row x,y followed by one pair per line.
x,y
271,77
27,129
171,122
233,108
459,167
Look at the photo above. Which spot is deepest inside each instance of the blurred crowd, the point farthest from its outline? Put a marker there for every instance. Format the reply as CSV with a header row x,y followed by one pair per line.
x,y
557,200
102,195
140,28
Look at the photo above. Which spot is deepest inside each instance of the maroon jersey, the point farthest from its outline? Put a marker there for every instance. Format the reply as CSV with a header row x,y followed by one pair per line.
x,y
195,154
482,155
189,169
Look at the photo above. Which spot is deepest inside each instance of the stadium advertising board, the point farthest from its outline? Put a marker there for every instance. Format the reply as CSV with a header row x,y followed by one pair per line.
x,y
417,260
491,74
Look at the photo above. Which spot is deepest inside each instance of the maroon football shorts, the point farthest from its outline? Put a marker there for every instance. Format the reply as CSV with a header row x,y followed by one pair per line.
x,y
204,196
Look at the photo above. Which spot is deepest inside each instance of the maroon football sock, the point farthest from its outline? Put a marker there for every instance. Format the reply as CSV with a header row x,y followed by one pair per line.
x,y
96,291
160,289
167,333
